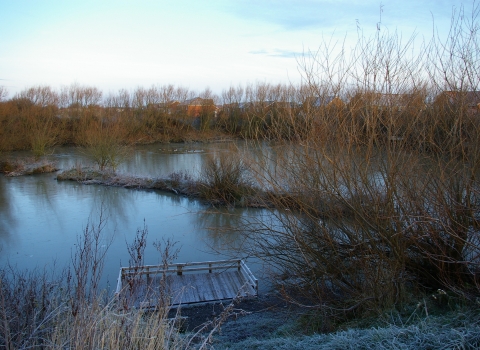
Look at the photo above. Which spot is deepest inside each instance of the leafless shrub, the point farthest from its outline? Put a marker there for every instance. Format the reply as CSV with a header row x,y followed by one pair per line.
x,y
181,180
224,178
103,144
383,200
136,250
88,262
29,304
12,166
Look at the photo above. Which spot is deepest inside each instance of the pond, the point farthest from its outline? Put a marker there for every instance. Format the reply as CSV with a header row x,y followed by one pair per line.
x,y
42,220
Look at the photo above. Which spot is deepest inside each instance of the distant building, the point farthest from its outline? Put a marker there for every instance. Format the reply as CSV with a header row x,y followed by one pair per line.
x,y
412,102
196,106
400,102
468,100
324,101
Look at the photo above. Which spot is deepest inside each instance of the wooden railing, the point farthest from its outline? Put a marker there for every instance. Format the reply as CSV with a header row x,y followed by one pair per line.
x,y
191,267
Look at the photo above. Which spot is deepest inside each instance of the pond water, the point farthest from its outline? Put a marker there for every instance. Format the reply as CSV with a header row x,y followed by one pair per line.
x,y
41,220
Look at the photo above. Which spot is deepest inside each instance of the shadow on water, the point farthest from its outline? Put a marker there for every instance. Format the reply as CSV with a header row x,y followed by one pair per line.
x,y
8,221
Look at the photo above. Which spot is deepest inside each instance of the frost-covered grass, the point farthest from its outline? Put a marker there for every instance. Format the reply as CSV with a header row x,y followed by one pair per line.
x,y
27,166
458,331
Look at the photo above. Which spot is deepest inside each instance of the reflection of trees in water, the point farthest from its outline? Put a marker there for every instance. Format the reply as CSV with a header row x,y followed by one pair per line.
x,y
111,201
162,160
174,199
7,219
224,228
46,195
117,204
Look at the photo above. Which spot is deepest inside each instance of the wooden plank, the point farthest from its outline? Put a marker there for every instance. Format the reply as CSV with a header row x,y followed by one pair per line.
x,y
218,287
243,284
231,282
229,263
209,291
201,282
222,281
214,289
203,290
227,284
194,288
185,289
178,289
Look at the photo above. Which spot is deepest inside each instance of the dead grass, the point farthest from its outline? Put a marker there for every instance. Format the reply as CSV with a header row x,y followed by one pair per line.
x,y
70,309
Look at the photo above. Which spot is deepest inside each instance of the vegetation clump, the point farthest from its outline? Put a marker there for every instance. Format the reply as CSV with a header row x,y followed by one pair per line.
x,y
224,180
71,309
20,167
221,190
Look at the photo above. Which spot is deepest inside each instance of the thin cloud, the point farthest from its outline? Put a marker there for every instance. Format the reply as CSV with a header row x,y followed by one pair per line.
x,y
294,15
277,53
258,52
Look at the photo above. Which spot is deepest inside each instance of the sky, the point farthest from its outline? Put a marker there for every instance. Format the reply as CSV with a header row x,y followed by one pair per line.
x,y
196,44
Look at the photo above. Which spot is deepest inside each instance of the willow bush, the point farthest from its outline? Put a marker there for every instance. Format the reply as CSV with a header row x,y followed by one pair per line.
x,y
103,143
224,178
382,201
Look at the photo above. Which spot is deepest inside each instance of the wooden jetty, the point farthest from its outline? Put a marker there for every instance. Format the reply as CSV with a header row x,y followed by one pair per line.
x,y
185,283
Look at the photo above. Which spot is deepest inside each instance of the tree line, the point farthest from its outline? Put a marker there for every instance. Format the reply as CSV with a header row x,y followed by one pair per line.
x,y
40,117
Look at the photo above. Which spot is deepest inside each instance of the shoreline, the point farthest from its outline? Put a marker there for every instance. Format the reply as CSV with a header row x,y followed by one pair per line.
x,y
23,167
235,321
177,183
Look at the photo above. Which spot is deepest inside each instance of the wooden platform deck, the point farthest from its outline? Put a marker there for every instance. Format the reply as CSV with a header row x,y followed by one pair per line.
x,y
185,283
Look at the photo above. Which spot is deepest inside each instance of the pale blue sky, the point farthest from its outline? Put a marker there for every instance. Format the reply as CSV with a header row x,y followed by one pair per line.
x,y
194,44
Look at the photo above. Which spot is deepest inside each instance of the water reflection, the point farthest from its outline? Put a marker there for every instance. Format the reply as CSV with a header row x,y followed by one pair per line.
x,y
162,160
54,215
118,205
223,229
8,220
42,219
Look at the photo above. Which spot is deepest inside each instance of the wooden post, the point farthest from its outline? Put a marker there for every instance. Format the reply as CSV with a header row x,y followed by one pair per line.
x,y
238,265
210,268
179,269
148,276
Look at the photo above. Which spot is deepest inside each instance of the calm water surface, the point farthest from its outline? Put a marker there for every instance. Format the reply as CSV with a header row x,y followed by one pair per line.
x,y
41,219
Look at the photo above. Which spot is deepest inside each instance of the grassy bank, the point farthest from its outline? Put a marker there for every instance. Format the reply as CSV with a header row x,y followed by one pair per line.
x,y
455,331
38,310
